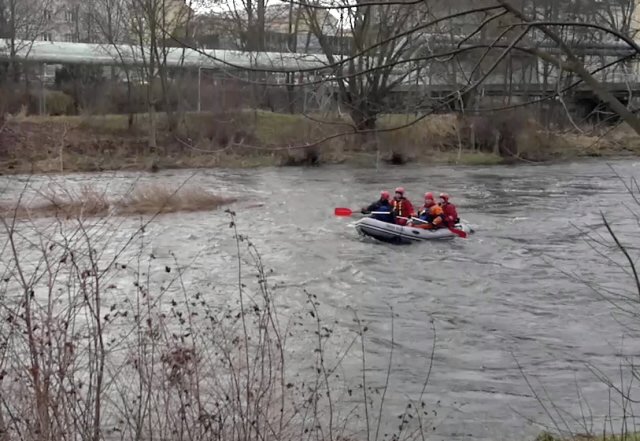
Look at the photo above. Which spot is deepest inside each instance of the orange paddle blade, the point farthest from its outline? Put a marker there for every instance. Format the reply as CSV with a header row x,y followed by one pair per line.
x,y
460,233
343,212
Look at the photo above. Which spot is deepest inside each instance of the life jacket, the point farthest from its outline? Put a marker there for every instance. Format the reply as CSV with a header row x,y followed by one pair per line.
x,y
437,215
436,210
402,207
432,214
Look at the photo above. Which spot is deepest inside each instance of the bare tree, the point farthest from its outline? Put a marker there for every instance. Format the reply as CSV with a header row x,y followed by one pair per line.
x,y
374,48
110,18
369,25
21,23
246,26
572,62
393,43
155,23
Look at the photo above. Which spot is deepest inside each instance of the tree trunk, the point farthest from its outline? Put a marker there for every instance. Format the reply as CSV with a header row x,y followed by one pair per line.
x,y
152,127
576,66
363,117
291,93
4,433
152,117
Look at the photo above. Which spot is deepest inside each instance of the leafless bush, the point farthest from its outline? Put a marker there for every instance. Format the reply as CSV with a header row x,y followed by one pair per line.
x,y
162,199
87,202
97,340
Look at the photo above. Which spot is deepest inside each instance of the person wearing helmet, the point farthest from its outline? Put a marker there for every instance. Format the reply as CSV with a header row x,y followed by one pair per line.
x,y
431,213
450,212
382,205
402,207
423,214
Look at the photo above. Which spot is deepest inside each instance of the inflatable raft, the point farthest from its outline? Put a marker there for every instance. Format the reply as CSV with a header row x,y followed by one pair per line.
x,y
393,233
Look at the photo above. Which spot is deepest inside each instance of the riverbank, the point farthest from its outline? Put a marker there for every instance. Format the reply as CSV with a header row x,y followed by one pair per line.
x,y
253,139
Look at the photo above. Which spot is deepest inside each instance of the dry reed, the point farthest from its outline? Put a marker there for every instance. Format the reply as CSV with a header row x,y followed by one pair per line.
x,y
88,202
162,199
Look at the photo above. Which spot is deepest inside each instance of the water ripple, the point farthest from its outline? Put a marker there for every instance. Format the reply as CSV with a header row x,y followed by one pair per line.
x,y
498,297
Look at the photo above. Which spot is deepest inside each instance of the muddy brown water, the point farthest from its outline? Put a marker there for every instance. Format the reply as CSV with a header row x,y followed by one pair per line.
x,y
501,298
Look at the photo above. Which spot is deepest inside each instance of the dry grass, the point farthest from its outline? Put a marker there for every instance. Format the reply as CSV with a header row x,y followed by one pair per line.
x,y
63,203
246,138
88,202
267,129
162,199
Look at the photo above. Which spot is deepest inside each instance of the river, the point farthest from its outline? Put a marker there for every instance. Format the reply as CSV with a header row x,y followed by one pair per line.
x,y
499,298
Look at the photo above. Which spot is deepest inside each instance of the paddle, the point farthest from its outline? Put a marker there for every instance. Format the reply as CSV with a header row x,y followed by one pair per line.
x,y
459,233
344,212
349,212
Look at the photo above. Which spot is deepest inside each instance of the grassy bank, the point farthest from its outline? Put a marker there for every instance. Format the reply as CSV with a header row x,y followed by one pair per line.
x,y
251,139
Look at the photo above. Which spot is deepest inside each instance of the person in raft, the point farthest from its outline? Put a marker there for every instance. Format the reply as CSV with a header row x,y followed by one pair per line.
x,y
423,215
450,212
431,213
383,206
402,207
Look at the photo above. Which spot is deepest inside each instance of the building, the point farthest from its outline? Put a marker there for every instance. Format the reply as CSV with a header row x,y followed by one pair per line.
x,y
290,28
111,21
287,28
97,21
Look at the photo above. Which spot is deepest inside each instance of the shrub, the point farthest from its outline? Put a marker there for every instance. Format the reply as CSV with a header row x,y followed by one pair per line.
x,y
102,338
89,202
307,156
161,199
56,103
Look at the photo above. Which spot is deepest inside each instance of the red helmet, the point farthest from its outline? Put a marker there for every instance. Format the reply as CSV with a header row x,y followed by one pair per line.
x,y
384,194
400,190
428,195
444,197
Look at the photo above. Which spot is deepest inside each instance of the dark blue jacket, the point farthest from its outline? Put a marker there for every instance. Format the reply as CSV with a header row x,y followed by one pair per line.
x,y
382,205
424,215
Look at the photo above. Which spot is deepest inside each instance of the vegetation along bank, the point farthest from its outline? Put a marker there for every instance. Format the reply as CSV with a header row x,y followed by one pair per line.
x,y
44,144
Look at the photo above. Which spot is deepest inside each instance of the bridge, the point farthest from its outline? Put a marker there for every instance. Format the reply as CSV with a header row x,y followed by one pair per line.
x,y
623,85
49,52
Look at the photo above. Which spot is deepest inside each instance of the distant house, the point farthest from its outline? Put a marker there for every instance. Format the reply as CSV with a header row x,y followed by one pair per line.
x,y
167,20
287,28
112,21
216,31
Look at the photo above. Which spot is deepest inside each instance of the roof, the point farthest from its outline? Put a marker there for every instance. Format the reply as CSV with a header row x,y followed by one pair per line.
x,y
113,55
